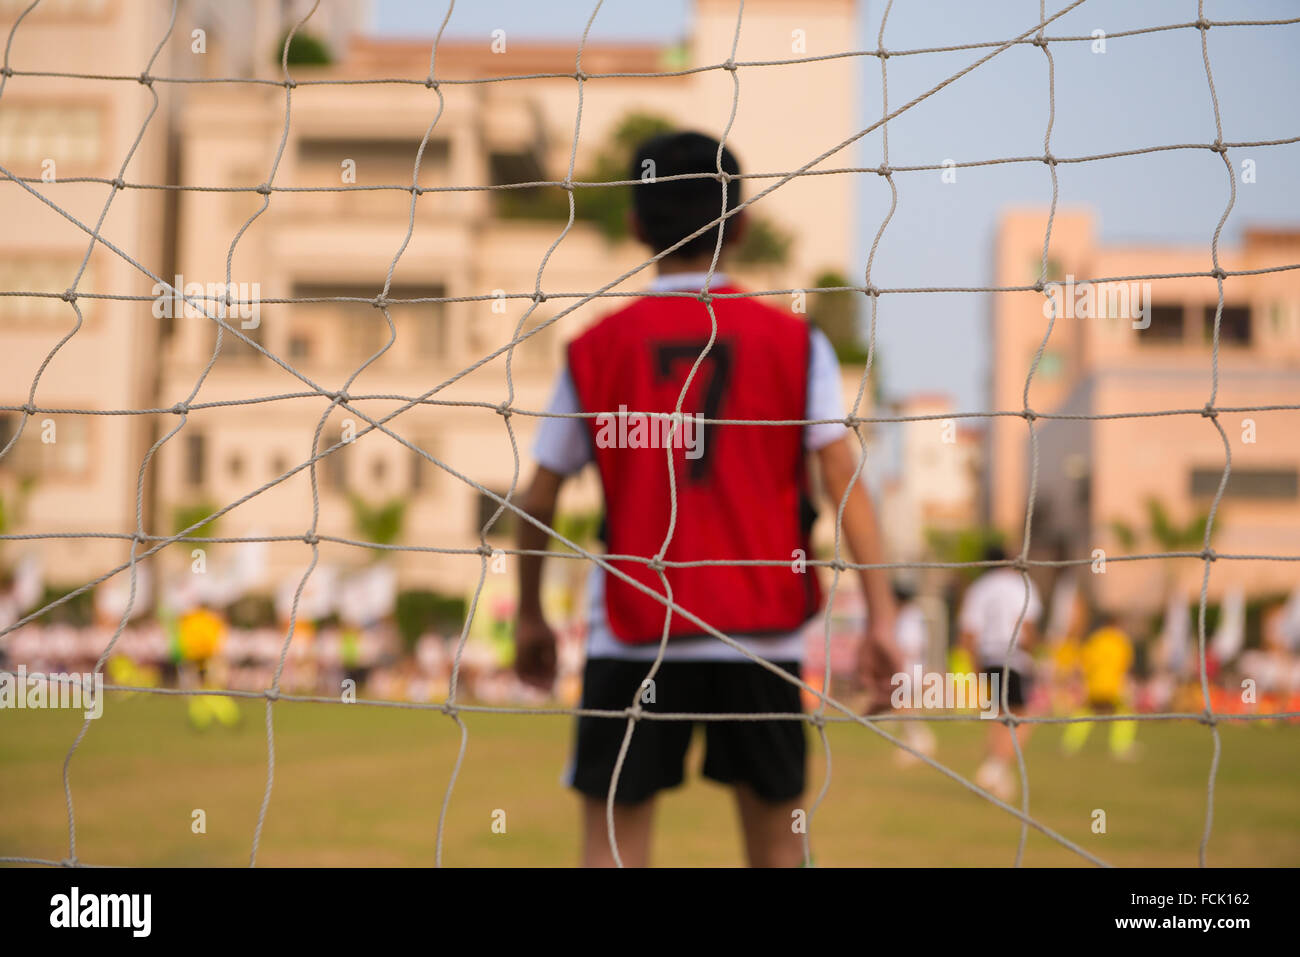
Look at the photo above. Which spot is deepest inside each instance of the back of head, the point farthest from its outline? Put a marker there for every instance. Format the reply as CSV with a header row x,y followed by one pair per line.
x,y
994,552
670,211
1104,618
904,591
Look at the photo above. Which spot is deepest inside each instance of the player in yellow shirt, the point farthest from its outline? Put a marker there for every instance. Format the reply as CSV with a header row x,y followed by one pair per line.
x,y
1104,661
1067,680
200,633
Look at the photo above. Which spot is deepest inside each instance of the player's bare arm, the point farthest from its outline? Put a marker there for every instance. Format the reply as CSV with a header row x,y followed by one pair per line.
x,y
878,658
534,639
1028,638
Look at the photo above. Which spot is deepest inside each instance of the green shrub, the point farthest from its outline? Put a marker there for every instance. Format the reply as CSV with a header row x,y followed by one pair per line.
x,y
252,611
183,516
419,611
78,611
304,50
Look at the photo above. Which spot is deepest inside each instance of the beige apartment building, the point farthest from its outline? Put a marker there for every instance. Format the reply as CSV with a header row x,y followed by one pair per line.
x,y
77,473
1109,357
939,479
257,417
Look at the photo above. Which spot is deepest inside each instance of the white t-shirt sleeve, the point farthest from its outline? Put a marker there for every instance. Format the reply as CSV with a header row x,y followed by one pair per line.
x,y
825,401
1035,609
969,618
910,633
562,444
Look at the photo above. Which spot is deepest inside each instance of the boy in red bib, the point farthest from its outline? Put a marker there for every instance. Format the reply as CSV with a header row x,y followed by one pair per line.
x,y
742,495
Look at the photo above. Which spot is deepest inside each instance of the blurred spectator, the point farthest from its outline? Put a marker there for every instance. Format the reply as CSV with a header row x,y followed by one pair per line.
x,y
1104,661
989,611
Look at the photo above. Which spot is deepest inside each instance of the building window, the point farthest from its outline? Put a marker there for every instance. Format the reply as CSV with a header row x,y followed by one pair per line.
x,y
1250,484
54,9
33,133
421,326
379,162
526,202
1166,325
421,468
235,466
323,161
31,455
299,347
334,465
1234,324
487,506
233,348
429,320
195,458
20,274
70,453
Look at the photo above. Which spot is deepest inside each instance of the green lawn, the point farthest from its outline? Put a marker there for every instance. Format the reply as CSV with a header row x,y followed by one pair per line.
x,y
360,785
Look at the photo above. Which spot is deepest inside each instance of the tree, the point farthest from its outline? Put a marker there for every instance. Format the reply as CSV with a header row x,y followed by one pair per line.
x,y
763,243
378,524
836,315
12,505
606,207
1168,536
965,546
1163,531
581,528
183,516
304,50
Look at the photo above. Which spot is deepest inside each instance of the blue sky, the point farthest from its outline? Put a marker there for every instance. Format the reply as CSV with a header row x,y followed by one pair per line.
x,y
1144,90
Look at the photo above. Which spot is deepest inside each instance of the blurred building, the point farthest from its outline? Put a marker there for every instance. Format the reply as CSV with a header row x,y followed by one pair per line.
x,y
74,473
1144,346
322,243
937,487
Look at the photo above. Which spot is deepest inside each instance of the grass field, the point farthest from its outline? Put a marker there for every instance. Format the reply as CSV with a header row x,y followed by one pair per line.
x,y
363,786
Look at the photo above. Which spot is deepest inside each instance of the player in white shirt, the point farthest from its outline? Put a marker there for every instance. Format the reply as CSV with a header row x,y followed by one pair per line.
x,y
912,636
989,611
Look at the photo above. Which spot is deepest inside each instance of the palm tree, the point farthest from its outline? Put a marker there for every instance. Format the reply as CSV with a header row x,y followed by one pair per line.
x,y
1163,531
1168,536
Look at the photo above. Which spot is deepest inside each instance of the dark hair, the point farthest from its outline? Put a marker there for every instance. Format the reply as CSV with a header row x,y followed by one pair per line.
x,y
903,591
671,211
1104,618
994,552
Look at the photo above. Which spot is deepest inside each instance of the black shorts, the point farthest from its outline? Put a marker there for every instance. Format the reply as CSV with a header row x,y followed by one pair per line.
x,y
769,756
1017,685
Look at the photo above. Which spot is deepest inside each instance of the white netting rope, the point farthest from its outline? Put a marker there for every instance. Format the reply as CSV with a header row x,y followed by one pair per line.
x,y
818,717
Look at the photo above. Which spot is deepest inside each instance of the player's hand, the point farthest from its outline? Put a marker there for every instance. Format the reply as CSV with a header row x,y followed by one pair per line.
x,y
535,652
878,662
